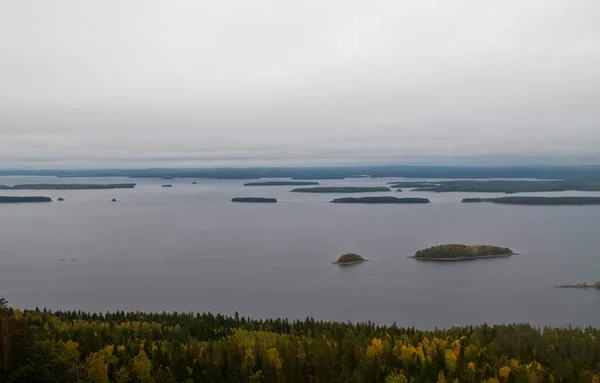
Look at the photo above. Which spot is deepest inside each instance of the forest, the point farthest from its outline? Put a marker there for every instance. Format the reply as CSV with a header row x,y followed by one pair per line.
x,y
461,251
73,346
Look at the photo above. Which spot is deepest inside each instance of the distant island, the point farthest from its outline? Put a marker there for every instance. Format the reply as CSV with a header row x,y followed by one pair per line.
x,y
580,286
459,252
411,184
254,199
167,186
281,183
342,189
496,186
380,200
537,200
349,259
67,186
12,199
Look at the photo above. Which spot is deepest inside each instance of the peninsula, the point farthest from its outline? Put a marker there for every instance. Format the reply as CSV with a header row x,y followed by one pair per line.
x,y
342,189
537,200
281,183
12,199
380,200
66,186
459,252
254,199
349,259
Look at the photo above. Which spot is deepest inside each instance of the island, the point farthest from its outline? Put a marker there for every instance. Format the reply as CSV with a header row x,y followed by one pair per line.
x,y
11,199
411,184
67,186
281,183
580,286
500,186
166,186
342,189
459,252
537,200
194,183
114,200
254,199
60,199
380,200
349,259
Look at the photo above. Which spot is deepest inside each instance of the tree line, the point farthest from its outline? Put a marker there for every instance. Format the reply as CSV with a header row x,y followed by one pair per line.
x,y
74,346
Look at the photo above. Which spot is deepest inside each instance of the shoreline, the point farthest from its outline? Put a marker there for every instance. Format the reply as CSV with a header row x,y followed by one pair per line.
x,y
350,263
462,258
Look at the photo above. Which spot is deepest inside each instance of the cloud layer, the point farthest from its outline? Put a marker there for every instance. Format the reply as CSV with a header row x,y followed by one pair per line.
x,y
115,83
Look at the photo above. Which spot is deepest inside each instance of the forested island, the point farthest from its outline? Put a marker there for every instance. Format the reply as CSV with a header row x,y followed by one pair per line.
x,y
349,259
254,199
380,200
67,186
281,183
75,346
12,199
537,200
457,252
580,286
342,189
508,186
167,186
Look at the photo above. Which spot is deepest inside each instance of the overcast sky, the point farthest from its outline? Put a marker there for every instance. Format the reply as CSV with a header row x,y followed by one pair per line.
x,y
122,83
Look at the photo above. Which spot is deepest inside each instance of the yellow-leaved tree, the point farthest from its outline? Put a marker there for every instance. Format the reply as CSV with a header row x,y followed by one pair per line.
x,y
142,366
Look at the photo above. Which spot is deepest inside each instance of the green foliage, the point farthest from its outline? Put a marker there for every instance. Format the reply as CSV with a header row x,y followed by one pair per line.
x,y
73,346
461,251
350,258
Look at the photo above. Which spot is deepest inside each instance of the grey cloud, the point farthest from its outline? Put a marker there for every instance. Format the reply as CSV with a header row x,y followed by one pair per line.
x,y
198,82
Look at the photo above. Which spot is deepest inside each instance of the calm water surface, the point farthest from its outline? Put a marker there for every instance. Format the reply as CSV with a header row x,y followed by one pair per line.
x,y
188,248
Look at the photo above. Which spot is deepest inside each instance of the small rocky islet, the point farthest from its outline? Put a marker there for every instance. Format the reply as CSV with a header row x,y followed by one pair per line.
x,y
349,259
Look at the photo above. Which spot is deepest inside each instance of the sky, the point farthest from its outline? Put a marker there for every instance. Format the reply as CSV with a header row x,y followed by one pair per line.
x,y
137,83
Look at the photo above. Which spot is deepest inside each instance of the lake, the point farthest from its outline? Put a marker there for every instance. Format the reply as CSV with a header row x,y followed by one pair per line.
x,y
188,248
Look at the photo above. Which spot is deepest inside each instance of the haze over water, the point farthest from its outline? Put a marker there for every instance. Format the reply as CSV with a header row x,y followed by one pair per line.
x,y
188,248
